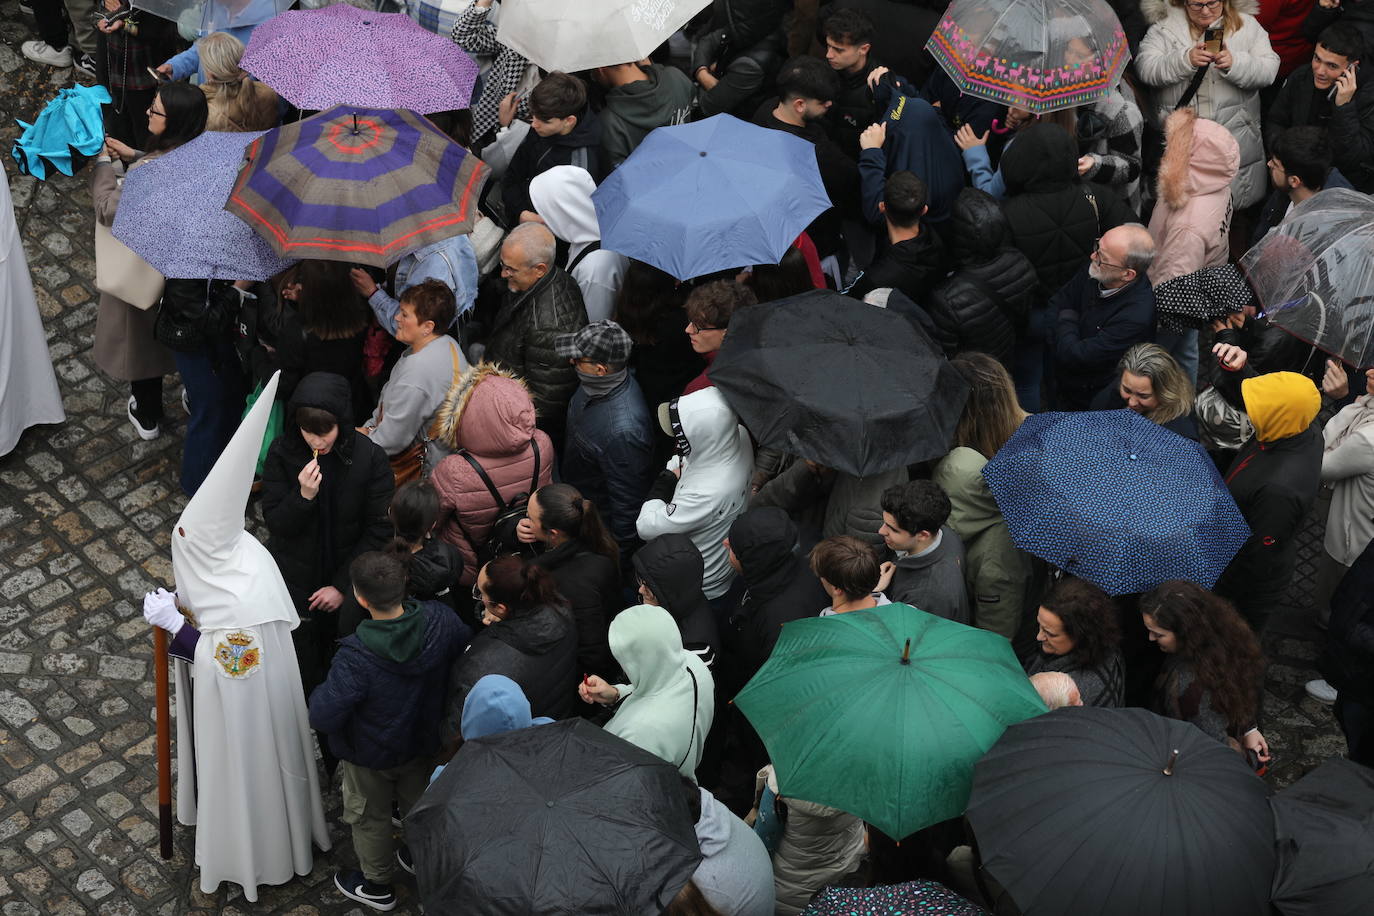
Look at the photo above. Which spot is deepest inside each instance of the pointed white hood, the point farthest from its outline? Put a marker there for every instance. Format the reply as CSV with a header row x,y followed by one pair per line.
x,y
224,577
562,195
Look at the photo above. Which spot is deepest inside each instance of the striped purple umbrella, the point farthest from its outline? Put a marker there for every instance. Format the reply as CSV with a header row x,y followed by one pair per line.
x,y
341,55
171,211
357,184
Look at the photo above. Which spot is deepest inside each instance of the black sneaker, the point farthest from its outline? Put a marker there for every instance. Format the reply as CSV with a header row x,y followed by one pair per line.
x,y
404,859
354,886
84,63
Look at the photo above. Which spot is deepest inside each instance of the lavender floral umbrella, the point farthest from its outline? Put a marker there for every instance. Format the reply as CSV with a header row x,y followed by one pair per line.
x,y
341,55
171,212
1040,55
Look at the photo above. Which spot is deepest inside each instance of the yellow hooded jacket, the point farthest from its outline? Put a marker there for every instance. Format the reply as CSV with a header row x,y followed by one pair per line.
x,y
1280,404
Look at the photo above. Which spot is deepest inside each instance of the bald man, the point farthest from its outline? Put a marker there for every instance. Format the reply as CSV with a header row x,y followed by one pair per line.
x,y
542,301
1107,308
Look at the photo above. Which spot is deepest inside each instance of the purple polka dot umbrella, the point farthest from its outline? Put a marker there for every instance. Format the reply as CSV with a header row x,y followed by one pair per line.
x,y
360,185
341,55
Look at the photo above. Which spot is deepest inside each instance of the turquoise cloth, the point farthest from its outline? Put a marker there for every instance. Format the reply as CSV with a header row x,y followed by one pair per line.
x,y
70,125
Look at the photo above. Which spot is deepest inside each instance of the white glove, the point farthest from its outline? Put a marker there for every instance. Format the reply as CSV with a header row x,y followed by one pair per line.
x,y
160,609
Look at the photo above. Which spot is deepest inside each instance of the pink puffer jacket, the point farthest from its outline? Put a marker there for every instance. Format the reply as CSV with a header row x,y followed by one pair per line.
x,y
489,413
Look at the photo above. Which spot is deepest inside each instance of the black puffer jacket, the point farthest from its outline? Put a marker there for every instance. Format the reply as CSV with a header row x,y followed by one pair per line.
x,y
590,583
537,650
1050,210
522,340
992,290
314,540
781,588
671,566
435,570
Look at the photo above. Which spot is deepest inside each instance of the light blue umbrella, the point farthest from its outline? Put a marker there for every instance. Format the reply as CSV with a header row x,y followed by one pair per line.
x,y
711,195
171,211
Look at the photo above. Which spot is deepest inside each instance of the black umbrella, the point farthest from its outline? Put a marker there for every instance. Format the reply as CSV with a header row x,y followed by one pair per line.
x,y
1324,824
1122,812
1195,300
562,818
849,385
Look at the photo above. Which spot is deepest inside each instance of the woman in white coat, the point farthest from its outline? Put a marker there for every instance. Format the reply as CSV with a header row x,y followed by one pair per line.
x,y
1173,50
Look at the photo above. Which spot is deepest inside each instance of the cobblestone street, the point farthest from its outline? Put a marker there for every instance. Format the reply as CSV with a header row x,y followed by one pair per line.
x,y
85,514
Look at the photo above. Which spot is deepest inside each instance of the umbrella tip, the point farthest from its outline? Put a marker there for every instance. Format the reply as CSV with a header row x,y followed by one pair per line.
x,y
906,653
1173,759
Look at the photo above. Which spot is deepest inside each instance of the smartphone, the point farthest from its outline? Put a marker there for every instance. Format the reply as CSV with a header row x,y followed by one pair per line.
x,y
160,77
1354,66
1211,39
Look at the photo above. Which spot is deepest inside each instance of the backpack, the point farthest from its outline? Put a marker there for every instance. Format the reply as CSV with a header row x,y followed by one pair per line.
x,y
503,539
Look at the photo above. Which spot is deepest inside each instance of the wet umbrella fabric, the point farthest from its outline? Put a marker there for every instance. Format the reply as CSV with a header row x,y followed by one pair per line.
x,y
1040,55
882,712
710,195
1324,825
341,55
359,185
914,898
1086,810
561,818
559,35
1116,499
846,384
171,212
1314,277
1195,300
69,130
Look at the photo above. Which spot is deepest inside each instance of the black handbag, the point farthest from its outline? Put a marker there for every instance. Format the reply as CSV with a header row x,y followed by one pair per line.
x,y
192,313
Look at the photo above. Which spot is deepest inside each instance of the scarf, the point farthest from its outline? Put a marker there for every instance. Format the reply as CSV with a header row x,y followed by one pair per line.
x,y
599,386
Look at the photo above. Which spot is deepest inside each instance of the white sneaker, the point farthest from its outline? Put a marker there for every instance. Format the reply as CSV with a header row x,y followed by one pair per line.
x,y
84,63
1321,690
40,52
144,432
185,401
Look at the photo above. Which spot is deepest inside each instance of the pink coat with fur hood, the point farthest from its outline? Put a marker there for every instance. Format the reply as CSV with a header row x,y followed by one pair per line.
x,y
1193,215
489,413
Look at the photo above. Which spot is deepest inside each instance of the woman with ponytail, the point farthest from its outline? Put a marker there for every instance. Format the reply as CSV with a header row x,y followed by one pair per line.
x,y
238,103
435,566
528,636
583,559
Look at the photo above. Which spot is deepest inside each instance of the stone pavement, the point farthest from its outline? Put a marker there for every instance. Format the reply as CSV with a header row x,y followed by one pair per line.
x,y
85,512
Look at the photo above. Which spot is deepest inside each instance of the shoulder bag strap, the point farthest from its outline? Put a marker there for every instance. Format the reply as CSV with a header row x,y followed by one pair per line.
x,y
592,246
482,473
692,736
433,431
534,481
1187,98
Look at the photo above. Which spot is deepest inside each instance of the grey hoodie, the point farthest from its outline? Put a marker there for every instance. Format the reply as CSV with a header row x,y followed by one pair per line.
x,y
634,109
736,873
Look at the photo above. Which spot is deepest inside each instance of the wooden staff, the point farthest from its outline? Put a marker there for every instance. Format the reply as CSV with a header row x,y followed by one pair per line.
x,y
164,743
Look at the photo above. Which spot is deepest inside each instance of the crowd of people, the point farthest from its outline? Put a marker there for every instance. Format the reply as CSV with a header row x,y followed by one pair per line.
x,y
505,490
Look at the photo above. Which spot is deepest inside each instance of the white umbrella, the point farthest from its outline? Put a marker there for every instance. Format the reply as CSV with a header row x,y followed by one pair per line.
x,y
572,35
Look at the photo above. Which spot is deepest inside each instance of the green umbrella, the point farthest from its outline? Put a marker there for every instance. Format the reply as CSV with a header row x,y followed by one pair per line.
x,y
883,712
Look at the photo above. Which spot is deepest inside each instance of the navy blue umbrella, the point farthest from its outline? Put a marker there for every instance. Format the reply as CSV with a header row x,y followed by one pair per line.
x,y
710,195
1116,499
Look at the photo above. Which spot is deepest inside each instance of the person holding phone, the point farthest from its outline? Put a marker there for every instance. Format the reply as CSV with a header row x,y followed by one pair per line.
x,y
1215,57
1329,93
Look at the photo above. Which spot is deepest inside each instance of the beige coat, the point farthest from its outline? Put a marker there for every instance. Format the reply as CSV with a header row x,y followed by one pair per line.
x,y
124,347
1348,467
1231,98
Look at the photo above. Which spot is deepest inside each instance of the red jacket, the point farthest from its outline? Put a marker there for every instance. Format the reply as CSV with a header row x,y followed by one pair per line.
x,y
1283,20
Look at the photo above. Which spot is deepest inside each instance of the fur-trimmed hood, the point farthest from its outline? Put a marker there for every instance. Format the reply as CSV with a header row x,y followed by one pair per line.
x,y
1200,157
488,412
1158,10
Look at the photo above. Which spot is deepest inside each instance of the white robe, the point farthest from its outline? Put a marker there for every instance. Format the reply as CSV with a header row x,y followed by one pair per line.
x,y
28,387
246,774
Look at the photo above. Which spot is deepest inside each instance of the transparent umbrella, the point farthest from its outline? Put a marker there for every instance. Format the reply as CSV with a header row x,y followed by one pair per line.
x,y
573,35
214,15
1314,276
1040,55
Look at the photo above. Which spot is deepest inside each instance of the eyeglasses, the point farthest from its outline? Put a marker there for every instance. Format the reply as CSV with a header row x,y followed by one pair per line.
x,y
1103,262
154,113
694,328
1208,5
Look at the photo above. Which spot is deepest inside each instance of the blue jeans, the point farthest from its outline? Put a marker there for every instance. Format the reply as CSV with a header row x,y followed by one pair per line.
x,y
1182,346
215,388
1031,357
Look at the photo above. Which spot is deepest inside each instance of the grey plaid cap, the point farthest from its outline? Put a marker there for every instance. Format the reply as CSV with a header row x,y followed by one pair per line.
x,y
601,341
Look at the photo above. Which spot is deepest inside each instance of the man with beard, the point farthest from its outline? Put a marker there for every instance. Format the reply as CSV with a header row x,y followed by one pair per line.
x,y
1107,308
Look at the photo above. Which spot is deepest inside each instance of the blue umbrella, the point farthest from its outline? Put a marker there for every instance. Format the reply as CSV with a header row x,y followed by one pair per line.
x,y
1116,499
711,195
171,211
66,132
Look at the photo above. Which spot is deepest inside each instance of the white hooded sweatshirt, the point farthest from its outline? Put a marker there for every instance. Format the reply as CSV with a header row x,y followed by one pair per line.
x,y
717,460
562,196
